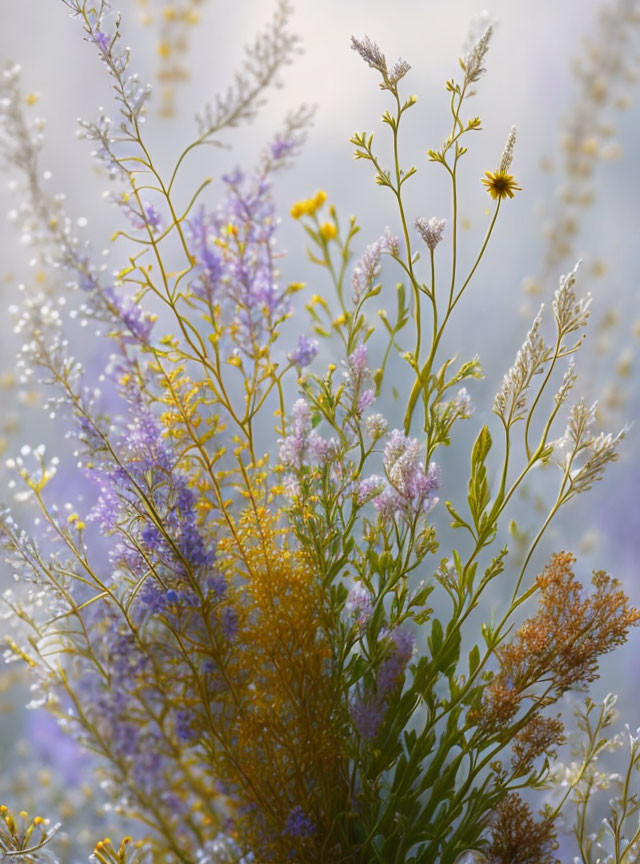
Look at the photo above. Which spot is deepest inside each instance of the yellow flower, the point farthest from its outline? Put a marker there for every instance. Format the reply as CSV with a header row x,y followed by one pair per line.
x,y
500,184
317,300
328,230
319,199
309,206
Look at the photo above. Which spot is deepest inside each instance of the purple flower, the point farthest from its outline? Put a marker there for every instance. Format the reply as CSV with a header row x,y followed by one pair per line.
x,y
292,488
358,361
229,622
184,727
359,603
216,586
367,712
151,217
367,715
293,447
209,265
368,489
358,377
102,41
280,148
145,445
298,824
394,666
388,503
110,698
151,536
305,351
411,488
153,597
108,506
303,446
236,260
138,323
192,545
367,397
166,533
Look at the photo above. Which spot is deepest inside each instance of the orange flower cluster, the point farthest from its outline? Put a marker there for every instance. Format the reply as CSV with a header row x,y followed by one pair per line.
x,y
517,838
538,737
559,647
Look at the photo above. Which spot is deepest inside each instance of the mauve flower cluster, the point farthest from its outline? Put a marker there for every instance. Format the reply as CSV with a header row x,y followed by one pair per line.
x,y
305,351
303,447
359,603
410,488
358,377
368,711
369,267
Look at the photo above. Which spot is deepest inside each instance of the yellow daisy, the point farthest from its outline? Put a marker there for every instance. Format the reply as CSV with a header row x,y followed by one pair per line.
x,y
500,184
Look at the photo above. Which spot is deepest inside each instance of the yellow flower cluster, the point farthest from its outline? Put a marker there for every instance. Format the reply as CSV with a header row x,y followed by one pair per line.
x,y
127,852
283,730
17,833
309,206
329,230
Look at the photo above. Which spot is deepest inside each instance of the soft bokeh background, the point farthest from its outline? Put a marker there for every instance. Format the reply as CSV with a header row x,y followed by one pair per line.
x,y
529,83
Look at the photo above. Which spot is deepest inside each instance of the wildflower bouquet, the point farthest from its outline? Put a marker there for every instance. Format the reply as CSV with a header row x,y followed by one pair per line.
x,y
269,623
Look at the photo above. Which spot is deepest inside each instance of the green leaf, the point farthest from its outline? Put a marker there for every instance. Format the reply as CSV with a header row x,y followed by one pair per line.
x,y
469,576
458,521
474,659
479,495
436,639
469,369
388,119
481,447
448,658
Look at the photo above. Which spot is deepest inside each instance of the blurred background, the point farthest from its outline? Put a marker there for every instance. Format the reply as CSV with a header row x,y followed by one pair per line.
x,y
565,74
